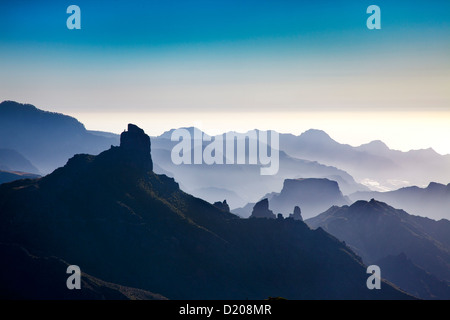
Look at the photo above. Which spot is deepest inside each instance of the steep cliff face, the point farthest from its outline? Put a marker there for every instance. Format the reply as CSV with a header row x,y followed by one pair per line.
x,y
313,195
137,145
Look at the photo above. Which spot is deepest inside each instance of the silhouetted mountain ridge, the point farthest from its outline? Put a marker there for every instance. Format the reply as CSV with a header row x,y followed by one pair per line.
x,y
116,219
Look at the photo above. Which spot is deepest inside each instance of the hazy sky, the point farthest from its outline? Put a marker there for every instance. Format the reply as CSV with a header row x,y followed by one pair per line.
x,y
236,65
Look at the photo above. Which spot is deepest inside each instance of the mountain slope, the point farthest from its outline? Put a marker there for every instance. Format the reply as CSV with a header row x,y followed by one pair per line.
x,y
413,279
117,220
30,277
47,139
374,230
11,160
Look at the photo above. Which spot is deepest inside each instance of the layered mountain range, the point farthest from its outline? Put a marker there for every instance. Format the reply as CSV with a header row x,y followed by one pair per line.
x,y
127,218
432,201
373,163
120,222
240,183
46,139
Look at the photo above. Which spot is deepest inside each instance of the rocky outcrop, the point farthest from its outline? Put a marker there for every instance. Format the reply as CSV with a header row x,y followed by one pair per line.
x,y
261,210
297,214
222,205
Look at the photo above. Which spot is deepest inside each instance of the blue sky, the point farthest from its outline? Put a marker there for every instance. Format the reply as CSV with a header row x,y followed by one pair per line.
x,y
151,24
306,59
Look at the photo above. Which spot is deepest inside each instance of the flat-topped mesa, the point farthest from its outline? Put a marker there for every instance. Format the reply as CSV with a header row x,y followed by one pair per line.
x,y
137,144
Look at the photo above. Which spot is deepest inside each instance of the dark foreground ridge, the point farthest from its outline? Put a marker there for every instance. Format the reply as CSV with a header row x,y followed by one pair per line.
x,y
121,223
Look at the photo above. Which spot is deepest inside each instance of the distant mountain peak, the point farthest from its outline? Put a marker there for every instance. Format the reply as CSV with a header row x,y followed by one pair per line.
x,y
17,109
428,152
191,130
375,145
378,143
372,206
314,138
47,139
435,186
316,133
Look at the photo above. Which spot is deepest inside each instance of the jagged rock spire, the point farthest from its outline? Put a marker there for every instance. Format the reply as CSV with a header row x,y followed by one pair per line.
x,y
137,144
297,214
